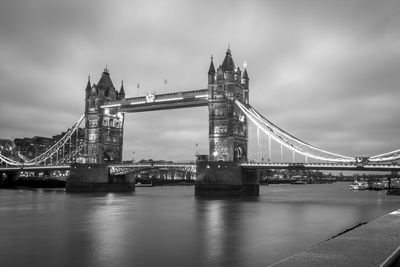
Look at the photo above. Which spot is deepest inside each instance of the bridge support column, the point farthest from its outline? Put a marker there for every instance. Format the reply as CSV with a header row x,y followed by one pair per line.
x,y
225,179
97,178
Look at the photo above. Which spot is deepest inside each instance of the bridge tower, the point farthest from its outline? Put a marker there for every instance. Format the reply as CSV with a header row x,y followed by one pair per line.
x,y
220,173
103,141
104,127
228,130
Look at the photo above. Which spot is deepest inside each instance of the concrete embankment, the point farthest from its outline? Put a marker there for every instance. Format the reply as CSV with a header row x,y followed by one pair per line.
x,y
373,244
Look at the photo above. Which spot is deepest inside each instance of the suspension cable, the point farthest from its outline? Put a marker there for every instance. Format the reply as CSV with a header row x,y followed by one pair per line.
x,y
54,149
287,140
48,153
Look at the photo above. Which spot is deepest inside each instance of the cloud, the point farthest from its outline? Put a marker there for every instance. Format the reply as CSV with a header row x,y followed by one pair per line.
x,y
327,72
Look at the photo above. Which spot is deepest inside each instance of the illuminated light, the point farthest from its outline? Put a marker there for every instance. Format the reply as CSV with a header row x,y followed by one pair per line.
x,y
168,99
120,115
215,153
106,111
201,96
137,103
111,105
219,166
208,166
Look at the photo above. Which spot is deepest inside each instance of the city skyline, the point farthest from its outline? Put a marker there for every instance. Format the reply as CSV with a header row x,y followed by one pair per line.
x,y
327,73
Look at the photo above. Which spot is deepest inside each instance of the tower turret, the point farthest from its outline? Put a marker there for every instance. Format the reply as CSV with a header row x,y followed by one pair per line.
x,y
245,77
88,88
211,72
122,91
245,83
228,64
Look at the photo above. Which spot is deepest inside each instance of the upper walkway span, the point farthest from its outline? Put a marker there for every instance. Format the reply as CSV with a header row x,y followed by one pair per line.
x,y
151,102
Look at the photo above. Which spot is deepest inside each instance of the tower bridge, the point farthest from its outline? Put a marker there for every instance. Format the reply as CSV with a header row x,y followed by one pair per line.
x,y
224,171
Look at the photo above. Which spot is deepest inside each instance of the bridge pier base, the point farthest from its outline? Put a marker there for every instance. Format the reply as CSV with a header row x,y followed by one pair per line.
x,y
97,178
217,179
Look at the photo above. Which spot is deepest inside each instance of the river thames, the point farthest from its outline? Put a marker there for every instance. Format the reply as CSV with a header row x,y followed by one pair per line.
x,y
168,226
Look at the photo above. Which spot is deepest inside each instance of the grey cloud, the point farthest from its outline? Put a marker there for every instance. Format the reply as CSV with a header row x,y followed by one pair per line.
x,y
314,66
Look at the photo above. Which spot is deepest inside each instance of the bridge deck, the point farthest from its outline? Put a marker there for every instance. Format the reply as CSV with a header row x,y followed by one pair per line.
x,y
322,166
35,168
246,165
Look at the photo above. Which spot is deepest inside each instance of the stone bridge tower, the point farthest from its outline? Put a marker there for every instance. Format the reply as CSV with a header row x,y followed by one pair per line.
x,y
104,126
221,173
228,131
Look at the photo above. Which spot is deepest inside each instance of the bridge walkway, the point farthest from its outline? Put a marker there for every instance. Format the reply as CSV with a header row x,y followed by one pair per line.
x,y
376,243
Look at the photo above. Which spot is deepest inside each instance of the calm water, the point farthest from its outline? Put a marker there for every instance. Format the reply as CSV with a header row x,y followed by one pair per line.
x,y
168,226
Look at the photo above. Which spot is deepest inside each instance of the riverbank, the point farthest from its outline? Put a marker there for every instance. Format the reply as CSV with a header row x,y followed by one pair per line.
x,y
373,244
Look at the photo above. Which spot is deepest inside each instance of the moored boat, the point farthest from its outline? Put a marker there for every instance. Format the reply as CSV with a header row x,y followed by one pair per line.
x,y
359,185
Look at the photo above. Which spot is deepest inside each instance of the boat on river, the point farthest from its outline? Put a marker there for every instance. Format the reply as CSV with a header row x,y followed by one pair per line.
x,y
359,185
139,184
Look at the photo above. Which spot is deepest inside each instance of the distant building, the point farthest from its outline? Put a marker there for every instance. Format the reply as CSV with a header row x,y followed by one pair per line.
x,y
8,149
33,147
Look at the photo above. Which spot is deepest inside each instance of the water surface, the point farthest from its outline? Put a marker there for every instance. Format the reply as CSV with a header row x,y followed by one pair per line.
x,y
168,226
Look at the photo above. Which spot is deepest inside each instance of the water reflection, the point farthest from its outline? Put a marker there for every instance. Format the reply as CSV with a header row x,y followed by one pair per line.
x,y
220,231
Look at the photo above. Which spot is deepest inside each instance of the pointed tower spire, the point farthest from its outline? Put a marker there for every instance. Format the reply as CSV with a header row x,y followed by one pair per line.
x,y
245,76
211,72
211,69
228,63
88,87
122,91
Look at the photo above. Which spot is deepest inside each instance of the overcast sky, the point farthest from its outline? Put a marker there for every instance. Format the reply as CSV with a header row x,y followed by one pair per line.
x,y
328,72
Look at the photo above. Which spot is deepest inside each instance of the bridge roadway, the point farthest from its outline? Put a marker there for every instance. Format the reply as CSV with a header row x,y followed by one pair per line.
x,y
35,168
151,102
321,166
247,165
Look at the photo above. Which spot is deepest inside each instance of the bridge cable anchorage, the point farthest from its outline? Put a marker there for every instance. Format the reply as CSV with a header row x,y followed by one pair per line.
x,y
288,140
48,153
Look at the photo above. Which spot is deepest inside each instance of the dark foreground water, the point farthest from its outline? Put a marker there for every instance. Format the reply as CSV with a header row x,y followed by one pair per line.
x,y
168,226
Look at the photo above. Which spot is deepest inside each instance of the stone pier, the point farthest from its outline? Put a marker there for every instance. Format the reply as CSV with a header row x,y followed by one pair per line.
x,y
225,179
96,178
